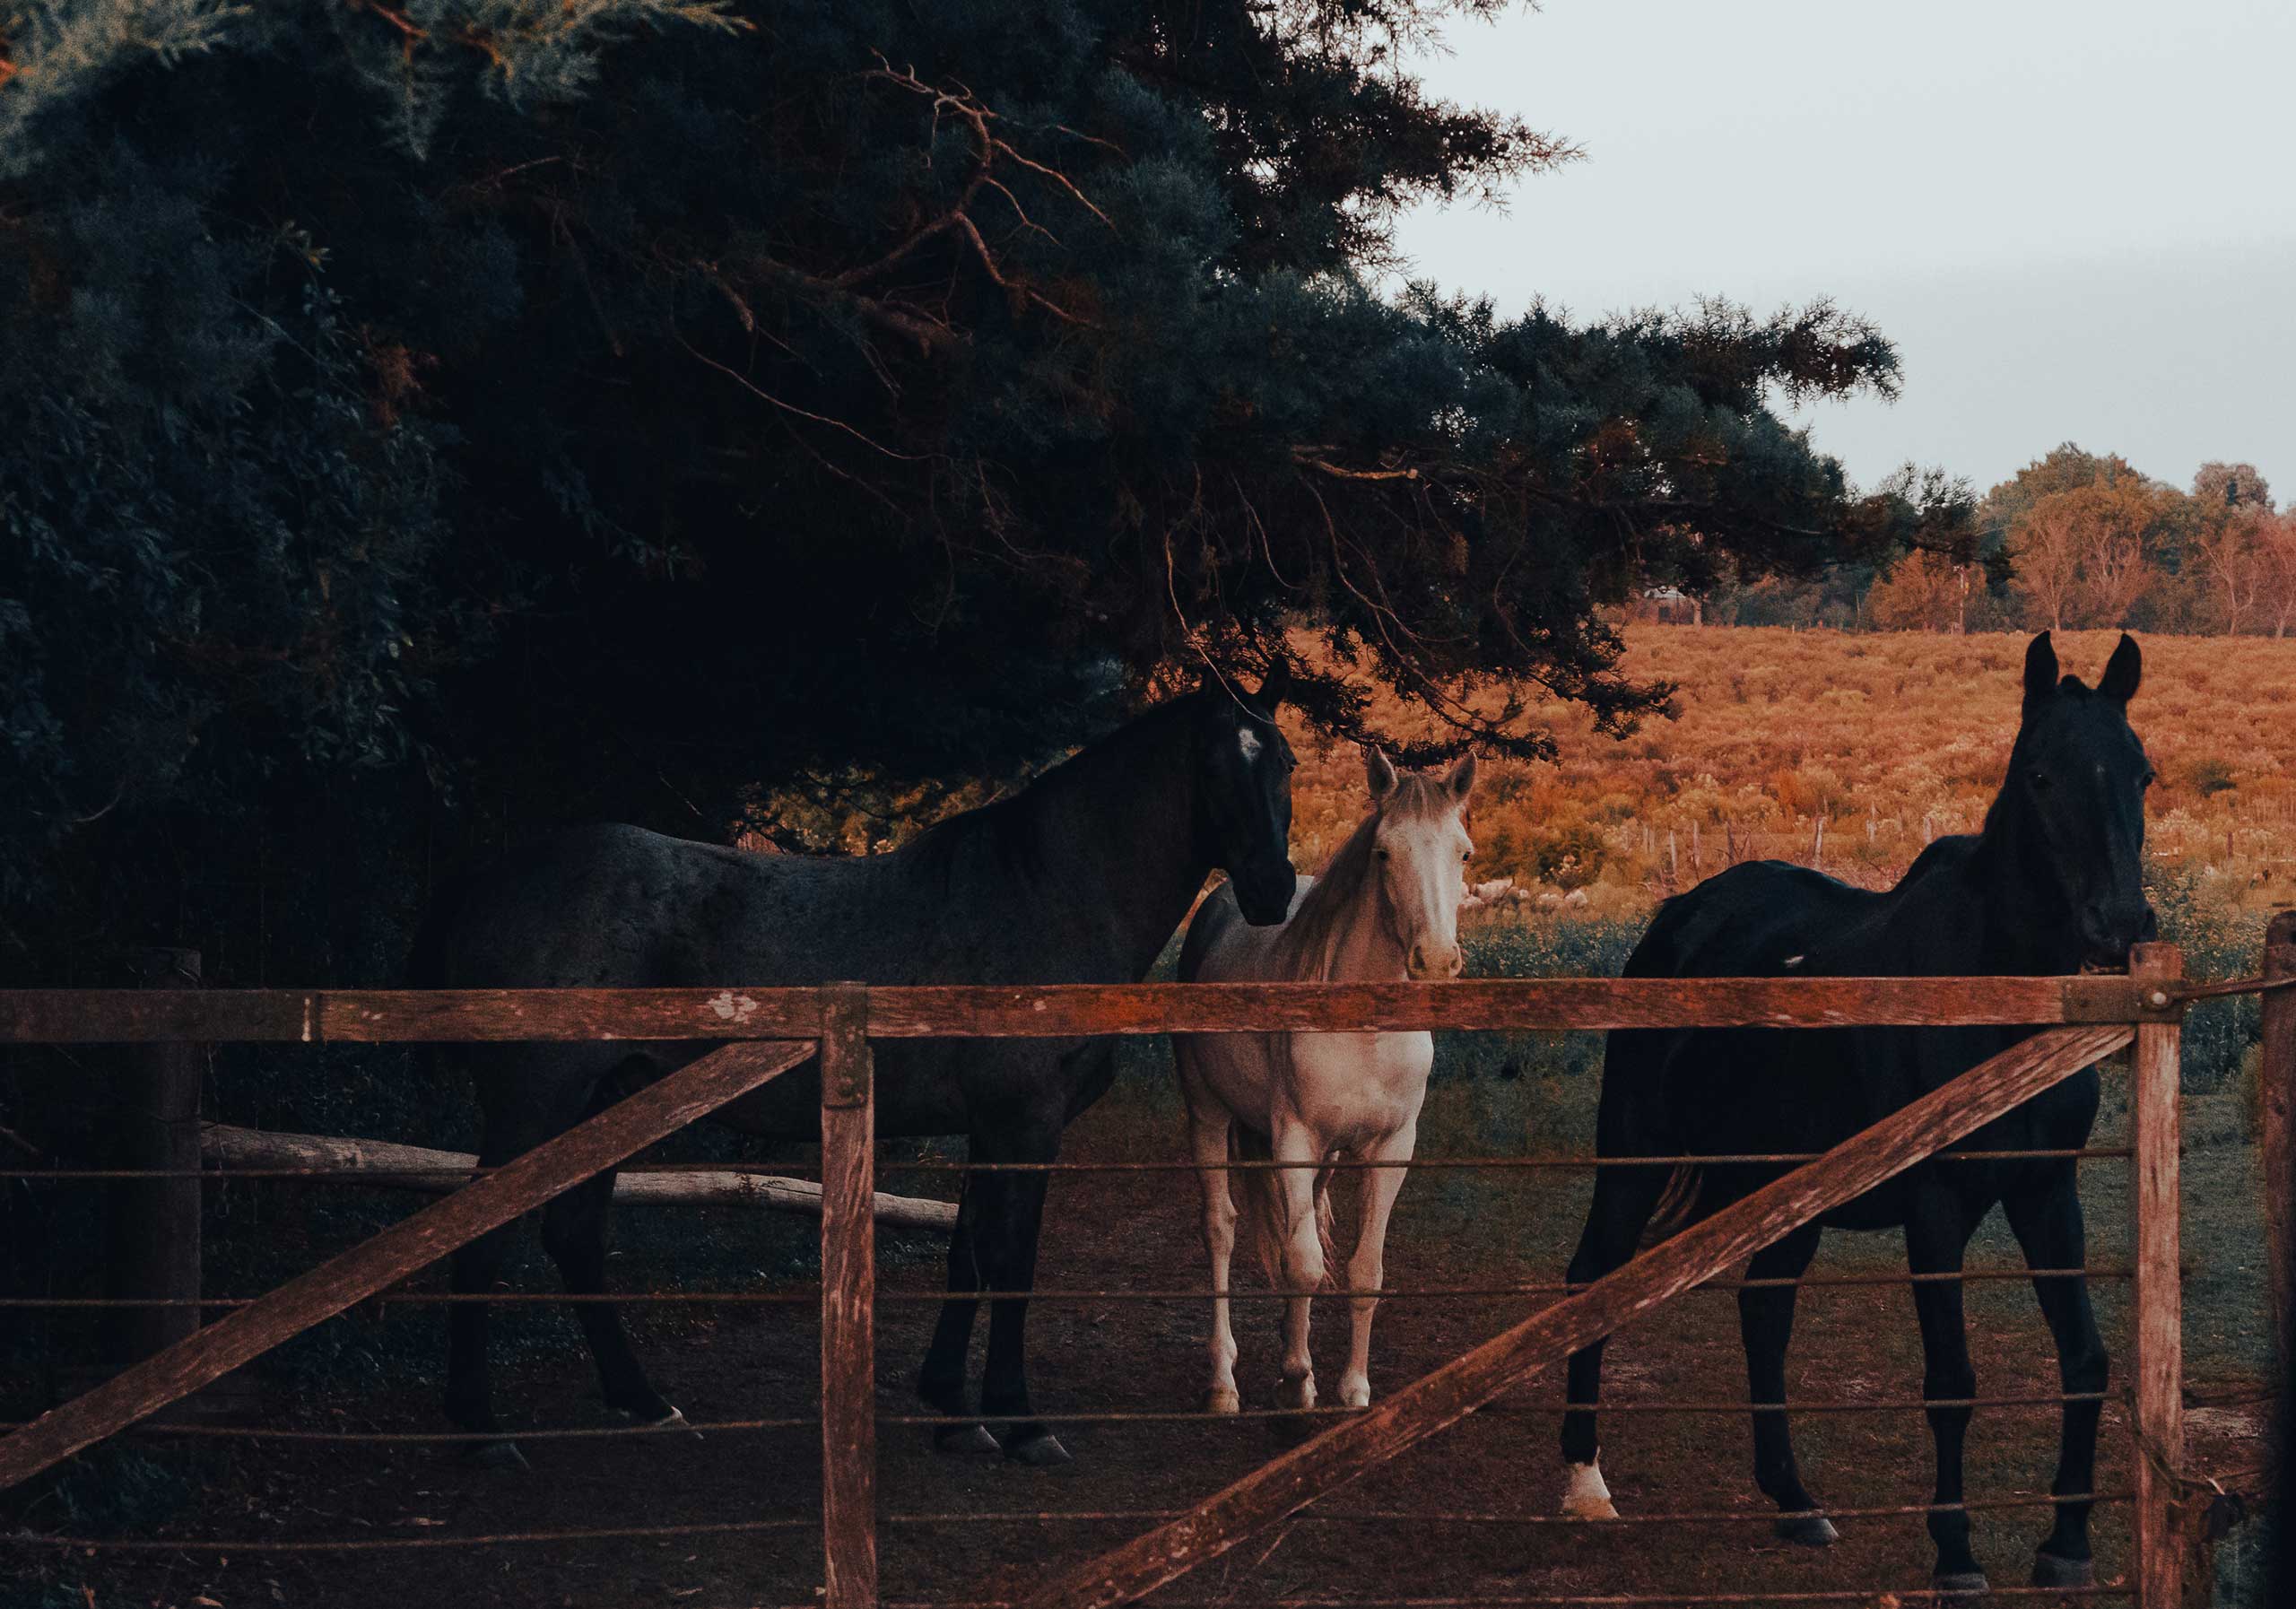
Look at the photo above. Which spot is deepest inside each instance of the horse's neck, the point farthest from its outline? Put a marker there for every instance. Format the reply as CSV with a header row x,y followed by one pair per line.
x,y
1118,860
2017,921
1367,951
1361,947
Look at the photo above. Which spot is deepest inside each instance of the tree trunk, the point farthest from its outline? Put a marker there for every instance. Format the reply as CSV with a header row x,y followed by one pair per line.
x,y
438,1172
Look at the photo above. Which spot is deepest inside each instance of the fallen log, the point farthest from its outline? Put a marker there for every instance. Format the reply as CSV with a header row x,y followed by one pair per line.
x,y
397,1166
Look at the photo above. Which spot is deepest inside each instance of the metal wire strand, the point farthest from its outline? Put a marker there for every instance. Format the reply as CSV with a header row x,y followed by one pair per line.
x,y
1082,1417
1067,1293
379,1544
362,1545
1486,1517
355,1176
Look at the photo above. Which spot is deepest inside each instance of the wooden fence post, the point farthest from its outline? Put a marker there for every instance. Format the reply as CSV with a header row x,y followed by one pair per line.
x,y
2278,1075
152,1224
848,1301
2159,1420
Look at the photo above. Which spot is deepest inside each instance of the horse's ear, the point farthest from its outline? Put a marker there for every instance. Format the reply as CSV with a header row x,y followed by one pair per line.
x,y
2123,671
1378,772
1272,689
2040,670
1461,781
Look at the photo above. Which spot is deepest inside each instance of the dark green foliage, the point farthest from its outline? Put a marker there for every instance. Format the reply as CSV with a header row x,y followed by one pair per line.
x,y
629,409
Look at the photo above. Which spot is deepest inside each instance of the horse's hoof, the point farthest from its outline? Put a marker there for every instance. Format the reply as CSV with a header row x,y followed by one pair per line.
x,y
1809,1530
1222,1399
1586,1495
1296,1396
965,1441
1041,1451
498,1455
2050,1571
1961,1584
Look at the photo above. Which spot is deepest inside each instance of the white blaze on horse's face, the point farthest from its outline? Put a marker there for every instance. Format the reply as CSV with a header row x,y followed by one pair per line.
x,y
1421,848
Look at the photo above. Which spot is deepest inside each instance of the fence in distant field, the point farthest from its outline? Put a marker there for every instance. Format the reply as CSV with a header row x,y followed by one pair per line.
x,y
769,1032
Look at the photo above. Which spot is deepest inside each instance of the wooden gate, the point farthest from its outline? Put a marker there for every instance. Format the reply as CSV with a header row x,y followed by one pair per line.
x,y
772,1030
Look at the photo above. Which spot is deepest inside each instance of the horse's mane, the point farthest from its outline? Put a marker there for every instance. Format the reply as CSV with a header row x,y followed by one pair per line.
x,y
1312,937
1009,826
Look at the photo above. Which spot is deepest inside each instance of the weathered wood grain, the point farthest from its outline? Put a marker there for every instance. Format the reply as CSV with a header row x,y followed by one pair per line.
x,y
2159,1414
420,1169
374,1264
1297,1478
849,1302
1058,1011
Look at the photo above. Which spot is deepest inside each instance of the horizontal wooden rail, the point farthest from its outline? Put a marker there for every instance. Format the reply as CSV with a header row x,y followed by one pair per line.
x,y
1060,1011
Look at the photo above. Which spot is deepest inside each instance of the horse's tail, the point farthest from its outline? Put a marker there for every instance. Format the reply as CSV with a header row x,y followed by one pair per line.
x,y
1260,1203
1677,1205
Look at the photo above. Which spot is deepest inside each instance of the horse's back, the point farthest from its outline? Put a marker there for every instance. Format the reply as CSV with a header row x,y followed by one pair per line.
x,y
620,906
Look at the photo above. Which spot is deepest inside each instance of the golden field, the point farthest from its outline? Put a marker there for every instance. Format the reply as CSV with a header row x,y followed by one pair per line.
x,y
1885,738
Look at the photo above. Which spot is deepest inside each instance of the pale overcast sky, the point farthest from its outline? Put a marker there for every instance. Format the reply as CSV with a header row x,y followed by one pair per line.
x,y
2075,218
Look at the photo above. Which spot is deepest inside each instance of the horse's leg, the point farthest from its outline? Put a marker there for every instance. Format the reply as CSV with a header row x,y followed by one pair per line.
x,y
477,1269
1207,1133
1011,1219
574,1233
2047,1223
1936,1235
1766,1325
941,1382
1367,1264
528,1095
1302,1248
1624,1199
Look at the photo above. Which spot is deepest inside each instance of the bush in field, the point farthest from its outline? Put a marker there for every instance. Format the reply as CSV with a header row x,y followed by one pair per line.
x,y
2219,940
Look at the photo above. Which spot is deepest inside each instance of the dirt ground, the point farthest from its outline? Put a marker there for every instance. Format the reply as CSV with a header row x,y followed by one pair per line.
x,y
958,1530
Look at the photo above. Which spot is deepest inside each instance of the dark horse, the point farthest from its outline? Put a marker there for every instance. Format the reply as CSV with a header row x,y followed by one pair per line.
x,y
2050,885
1080,878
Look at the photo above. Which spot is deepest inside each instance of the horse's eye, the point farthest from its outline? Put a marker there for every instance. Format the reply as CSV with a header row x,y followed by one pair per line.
x,y
1382,854
2147,781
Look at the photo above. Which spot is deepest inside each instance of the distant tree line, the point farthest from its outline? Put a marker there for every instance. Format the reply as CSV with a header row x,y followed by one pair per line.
x,y
2075,539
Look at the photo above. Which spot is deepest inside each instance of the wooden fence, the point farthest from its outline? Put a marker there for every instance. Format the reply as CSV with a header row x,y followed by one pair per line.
x,y
771,1031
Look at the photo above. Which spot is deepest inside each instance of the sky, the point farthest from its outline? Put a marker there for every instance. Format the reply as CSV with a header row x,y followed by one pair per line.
x,y
2076,219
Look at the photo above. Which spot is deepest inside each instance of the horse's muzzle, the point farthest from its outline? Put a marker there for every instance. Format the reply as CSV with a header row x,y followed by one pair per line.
x,y
1264,892
2110,930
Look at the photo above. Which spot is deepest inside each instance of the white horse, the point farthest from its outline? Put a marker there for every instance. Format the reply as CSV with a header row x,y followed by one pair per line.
x,y
1385,910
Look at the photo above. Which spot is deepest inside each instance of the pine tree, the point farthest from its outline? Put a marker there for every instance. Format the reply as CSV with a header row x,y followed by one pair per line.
x,y
524,410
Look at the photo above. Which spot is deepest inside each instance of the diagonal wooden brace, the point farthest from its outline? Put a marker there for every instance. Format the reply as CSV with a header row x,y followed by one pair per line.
x,y
621,1131
1291,1483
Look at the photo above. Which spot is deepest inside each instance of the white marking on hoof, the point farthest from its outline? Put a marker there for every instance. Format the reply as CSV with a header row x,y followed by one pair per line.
x,y
1585,1496
1223,1399
1355,1393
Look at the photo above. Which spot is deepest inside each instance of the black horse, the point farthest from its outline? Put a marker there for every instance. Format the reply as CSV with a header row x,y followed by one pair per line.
x,y
2050,885
1080,878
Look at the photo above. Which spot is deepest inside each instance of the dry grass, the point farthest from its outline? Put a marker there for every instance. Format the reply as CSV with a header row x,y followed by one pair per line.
x,y
1886,739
